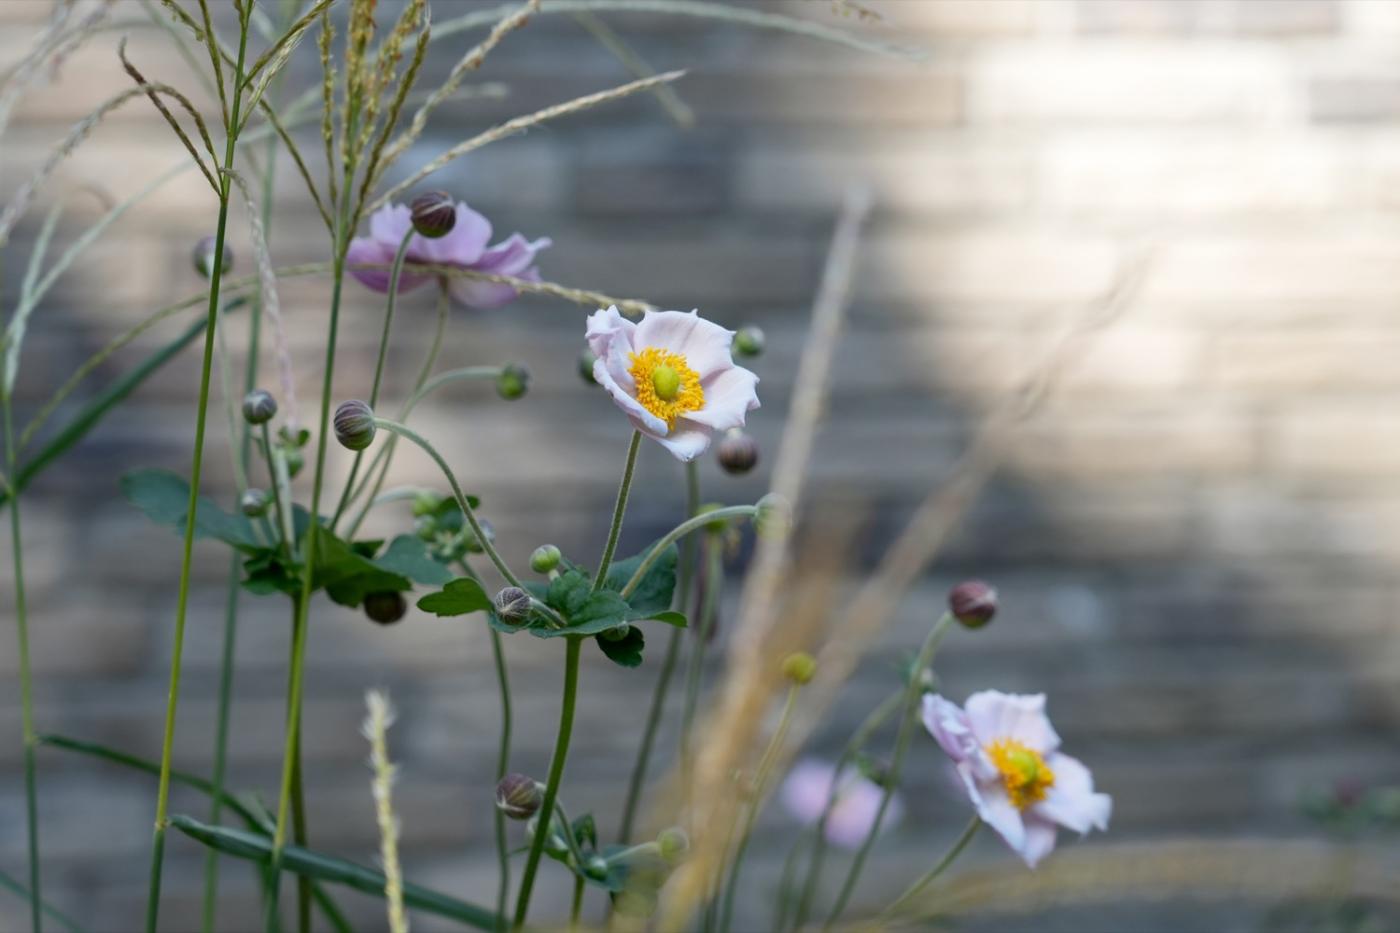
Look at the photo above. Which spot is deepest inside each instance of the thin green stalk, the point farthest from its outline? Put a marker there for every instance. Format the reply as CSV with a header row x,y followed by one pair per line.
x,y
909,717
858,740
760,787
556,776
26,689
714,572
948,858
680,531
618,511
467,511
577,907
394,273
668,665
19,890
502,764
299,833
196,467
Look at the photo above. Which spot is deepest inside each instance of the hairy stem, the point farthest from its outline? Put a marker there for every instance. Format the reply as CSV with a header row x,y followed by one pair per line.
x,y
948,858
680,531
502,765
615,529
196,467
556,775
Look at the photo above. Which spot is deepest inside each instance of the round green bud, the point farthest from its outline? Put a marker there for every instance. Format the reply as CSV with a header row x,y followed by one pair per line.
x,y
354,424
519,796
748,341
425,527
426,502
434,214
513,382
545,558
586,359
295,460
513,605
253,502
673,843
259,406
386,607
203,257
800,667
596,867
737,452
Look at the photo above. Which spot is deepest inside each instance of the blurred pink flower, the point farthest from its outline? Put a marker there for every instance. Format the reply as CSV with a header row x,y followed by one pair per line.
x,y
464,246
808,787
672,374
1006,753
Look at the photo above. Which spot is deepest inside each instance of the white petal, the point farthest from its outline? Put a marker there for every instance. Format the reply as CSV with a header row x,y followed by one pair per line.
x,y
390,223
687,441
729,396
995,716
605,326
948,725
463,245
995,807
644,420
704,344
1040,841
1071,800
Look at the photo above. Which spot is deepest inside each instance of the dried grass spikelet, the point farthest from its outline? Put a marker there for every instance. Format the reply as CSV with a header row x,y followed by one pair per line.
x,y
154,92
376,729
47,51
416,16
324,42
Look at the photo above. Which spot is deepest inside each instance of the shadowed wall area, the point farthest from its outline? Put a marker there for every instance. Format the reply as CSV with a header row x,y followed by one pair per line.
x,y
1195,537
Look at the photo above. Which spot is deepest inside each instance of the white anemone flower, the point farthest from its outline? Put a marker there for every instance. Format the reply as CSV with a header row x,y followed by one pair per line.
x,y
673,375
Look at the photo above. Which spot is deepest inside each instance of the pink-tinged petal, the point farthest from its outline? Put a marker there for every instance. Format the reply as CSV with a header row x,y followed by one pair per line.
x,y
365,251
994,807
1071,800
729,396
606,329
1040,841
462,246
704,344
475,293
806,789
948,725
642,419
389,224
513,255
855,812
686,441
996,716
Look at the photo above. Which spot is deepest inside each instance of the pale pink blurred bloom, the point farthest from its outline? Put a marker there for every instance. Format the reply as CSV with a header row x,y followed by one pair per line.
x,y
1007,755
673,375
808,787
465,246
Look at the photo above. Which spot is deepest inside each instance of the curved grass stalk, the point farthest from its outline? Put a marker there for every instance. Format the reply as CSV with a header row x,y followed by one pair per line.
x,y
19,890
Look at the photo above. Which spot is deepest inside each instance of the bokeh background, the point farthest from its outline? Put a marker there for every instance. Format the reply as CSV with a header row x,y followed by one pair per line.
x,y
1195,538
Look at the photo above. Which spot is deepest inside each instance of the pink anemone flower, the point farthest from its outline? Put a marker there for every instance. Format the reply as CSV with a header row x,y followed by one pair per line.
x,y
808,787
1007,755
673,375
464,246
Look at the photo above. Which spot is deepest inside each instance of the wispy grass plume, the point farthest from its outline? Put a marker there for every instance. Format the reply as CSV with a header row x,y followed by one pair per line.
x,y
376,729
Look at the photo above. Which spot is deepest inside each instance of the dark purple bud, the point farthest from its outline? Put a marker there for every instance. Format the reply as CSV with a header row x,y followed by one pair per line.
x,y
385,608
972,603
434,214
259,407
737,452
354,424
519,796
513,605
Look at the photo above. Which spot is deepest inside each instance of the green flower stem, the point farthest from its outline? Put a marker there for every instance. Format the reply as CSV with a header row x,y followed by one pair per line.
x,y
26,687
452,375
577,907
299,834
19,890
281,492
467,511
714,571
680,531
556,776
909,716
948,858
668,665
858,740
618,511
760,787
394,273
196,468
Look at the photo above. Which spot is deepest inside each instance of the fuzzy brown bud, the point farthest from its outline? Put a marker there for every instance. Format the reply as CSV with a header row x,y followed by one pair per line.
x,y
259,407
434,214
386,608
513,605
519,796
737,452
973,603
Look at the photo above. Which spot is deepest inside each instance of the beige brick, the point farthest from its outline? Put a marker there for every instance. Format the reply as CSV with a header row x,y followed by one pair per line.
x,y
1306,360
1129,83
1334,440
1146,443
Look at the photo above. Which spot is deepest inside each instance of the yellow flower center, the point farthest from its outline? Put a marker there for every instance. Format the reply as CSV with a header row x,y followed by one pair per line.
x,y
1024,773
666,385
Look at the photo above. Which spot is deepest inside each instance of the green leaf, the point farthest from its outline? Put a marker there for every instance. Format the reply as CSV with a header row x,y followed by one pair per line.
x,y
164,497
654,591
669,617
408,555
586,833
321,867
627,650
458,597
348,577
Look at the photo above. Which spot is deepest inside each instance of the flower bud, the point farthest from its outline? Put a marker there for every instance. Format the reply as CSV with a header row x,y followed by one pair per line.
x,y
259,406
513,381
295,460
800,667
434,214
545,558
519,796
425,527
617,633
972,603
673,843
586,359
737,452
748,341
354,424
773,514
426,502
253,502
204,257
513,605
386,608
596,867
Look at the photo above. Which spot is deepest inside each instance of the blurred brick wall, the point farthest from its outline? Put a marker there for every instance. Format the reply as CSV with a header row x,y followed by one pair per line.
x,y
1195,539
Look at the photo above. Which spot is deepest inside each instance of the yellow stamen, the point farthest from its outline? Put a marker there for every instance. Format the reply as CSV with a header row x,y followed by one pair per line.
x,y
666,385
1024,772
